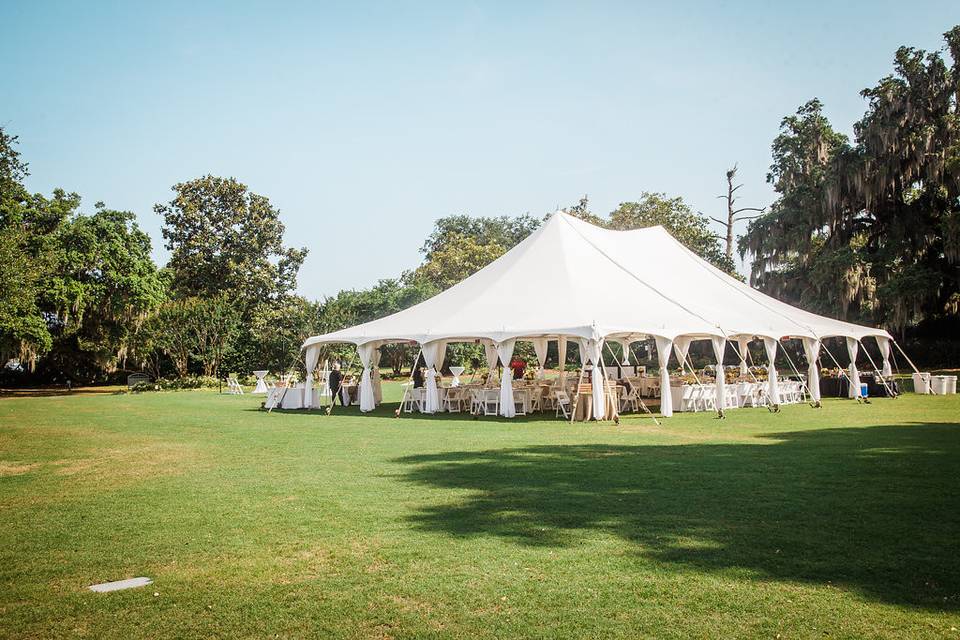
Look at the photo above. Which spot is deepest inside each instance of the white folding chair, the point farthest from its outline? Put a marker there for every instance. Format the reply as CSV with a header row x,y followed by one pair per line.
x,y
549,398
731,398
416,397
491,402
453,401
407,403
476,401
629,399
536,398
521,399
707,397
562,403
687,398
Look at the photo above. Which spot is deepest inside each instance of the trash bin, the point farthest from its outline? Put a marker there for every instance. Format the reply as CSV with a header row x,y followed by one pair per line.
x,y
943,385
864,390
921,383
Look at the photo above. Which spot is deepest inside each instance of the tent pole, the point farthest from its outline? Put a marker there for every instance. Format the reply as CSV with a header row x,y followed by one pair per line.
x,y
606,389
744,358
646,409
340,386
841,369
876,370
576,396
396,413
294,360
795,370
909,361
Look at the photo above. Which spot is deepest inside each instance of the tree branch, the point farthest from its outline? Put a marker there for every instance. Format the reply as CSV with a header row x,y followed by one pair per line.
x,y
760,215
760,209
718,221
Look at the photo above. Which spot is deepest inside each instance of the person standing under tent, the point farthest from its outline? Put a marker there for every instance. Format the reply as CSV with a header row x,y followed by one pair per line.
x,y
335,378
518,366
418,373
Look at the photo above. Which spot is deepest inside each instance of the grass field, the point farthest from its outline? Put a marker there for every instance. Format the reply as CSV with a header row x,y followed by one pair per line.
x,y
842,522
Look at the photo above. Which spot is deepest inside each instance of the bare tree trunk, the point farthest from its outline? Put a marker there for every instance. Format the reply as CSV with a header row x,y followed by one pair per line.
x,y
730,214
733,213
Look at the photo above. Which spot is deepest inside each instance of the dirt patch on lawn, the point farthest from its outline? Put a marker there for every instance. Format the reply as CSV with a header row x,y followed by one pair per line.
x,y
130,463
8,468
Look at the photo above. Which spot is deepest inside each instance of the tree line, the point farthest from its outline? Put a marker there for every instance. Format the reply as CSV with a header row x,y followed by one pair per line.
x,y
867,230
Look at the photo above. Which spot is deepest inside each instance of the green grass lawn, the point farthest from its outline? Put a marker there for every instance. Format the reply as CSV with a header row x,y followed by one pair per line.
x,y
838,522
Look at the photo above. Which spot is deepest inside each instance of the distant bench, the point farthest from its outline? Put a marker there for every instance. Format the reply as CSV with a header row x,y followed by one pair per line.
x,y
136,378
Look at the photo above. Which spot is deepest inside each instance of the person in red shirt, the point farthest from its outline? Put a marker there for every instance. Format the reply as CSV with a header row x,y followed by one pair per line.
x,y
518,366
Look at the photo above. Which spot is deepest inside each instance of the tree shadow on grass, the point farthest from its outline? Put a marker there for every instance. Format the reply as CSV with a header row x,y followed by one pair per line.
x,y
875,509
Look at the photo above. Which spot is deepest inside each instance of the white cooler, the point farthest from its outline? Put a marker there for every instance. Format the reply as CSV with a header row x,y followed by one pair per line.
x,y
921,383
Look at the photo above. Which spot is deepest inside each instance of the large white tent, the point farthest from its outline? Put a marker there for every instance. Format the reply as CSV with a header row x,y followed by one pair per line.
x,y
570,280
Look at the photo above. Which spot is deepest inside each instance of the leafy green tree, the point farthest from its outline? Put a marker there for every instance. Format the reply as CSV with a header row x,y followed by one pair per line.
x,y
675,216
24,259
188,330
23,330
582,211
170,331
870,230
226,239
214,323
105,284
503,231
348,308
653,209
458,258
273,338
73,287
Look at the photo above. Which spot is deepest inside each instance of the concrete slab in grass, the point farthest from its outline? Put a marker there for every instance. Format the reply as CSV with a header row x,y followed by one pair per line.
x,y
120,584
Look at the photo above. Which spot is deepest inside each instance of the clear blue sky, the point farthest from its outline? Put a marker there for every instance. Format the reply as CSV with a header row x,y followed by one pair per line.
x,y
364,122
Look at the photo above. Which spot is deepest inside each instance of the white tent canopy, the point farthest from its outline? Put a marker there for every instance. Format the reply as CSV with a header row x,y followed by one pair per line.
x,y
572,279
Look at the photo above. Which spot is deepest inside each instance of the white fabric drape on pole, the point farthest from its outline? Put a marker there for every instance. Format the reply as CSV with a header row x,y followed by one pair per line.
x,y
719,345
663,359
884,344
773,389
310,360
540,348
490,353
590,350
681,346
433,357
562,359
367,401
505,350
853,347
625,345
377,386
744,345
811,349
